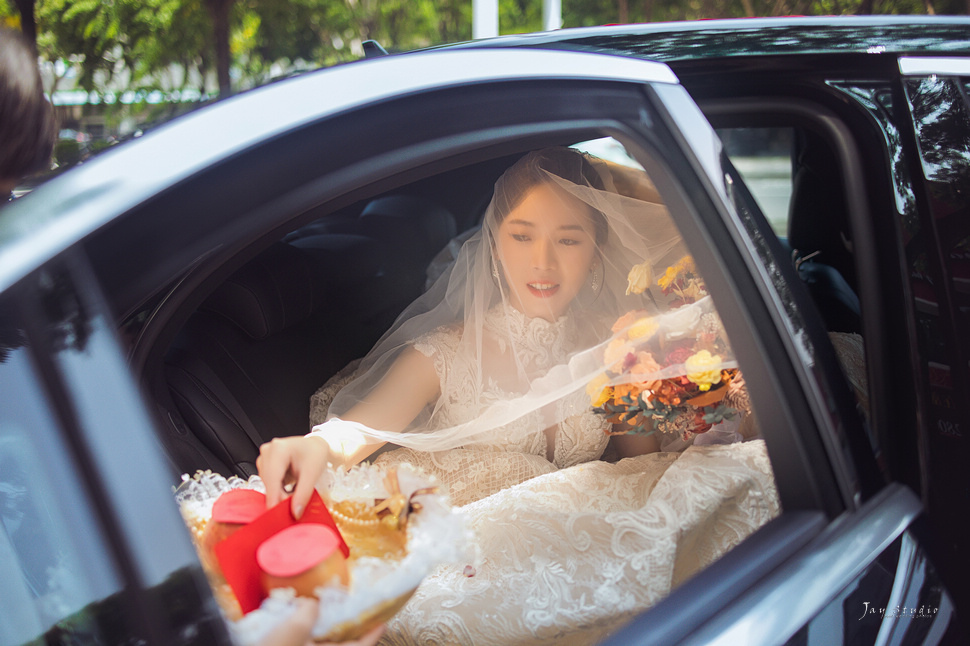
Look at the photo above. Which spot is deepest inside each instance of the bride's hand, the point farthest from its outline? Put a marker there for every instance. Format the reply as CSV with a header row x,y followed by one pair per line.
x,y
297,629
298,461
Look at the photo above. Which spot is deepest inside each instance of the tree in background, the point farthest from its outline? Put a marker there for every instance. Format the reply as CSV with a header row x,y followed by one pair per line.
x,y
150,44
585,13
219,14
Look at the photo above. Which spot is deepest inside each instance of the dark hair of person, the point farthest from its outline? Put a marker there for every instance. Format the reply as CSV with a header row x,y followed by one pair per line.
x,y
27,124
527,173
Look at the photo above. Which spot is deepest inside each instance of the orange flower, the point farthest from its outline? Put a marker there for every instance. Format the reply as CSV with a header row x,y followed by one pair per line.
x,y
645,365
624,390
627,320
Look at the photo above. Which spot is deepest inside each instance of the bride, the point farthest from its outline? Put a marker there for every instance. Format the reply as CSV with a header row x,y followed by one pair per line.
x,y
486,381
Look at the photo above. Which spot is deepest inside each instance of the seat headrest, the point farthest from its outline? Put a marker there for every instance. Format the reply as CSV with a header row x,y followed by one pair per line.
x,y
342,257
410,221
268,294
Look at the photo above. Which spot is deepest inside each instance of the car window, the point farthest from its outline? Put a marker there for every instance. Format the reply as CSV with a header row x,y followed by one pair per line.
x,y
382,252
54,563
763,157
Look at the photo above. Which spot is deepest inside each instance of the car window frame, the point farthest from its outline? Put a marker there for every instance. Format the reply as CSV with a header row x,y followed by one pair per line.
x,y
838,424
797,450
548,124
875,275
72,345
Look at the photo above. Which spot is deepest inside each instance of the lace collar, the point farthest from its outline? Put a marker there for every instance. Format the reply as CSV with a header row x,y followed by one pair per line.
x,y
535,340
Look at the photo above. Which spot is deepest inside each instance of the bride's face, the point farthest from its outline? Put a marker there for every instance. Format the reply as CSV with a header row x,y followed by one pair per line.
x,y
546,247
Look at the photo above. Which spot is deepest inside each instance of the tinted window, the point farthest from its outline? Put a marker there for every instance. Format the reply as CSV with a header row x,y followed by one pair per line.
x,y
53,560
763,157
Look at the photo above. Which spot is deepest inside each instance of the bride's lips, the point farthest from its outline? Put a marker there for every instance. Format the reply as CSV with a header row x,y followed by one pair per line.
x,y
543,290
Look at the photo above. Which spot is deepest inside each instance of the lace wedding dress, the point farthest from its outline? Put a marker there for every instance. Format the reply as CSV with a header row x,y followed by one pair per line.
x,y
567,548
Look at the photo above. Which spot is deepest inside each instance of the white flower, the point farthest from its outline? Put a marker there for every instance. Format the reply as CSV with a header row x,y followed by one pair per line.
x,y
639,278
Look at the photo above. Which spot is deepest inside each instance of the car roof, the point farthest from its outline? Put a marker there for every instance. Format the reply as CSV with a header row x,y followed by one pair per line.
x,y
709,39
73,205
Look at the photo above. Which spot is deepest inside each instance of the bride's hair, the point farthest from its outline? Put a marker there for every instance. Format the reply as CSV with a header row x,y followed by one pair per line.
x,y
535,169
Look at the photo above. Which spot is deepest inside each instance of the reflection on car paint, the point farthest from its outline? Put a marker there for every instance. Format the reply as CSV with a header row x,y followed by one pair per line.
x,y
876,98
941,118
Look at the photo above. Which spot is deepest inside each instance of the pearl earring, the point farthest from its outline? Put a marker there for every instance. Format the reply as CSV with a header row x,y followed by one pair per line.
x,y
594,278
495,270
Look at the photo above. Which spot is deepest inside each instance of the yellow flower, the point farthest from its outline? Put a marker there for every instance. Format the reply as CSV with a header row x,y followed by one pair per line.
x,y
642,328
668,278
599,390
638,279
703,369
627,320
686,265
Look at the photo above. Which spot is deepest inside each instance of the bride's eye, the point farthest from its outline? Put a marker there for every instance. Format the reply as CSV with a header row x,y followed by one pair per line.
x,y
569,242
520,237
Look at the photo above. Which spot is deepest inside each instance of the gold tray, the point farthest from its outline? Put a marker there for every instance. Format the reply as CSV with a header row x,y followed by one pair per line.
x,y
429,512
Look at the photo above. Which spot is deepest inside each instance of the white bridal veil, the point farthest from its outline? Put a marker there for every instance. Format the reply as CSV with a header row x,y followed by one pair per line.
x,y
641,325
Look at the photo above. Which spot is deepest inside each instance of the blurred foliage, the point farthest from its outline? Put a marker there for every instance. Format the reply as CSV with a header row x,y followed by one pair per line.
x,y
585,13
9,16
204,44
67,152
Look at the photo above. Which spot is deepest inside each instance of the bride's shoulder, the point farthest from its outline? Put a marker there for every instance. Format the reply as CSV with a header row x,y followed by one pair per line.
x,y
442,338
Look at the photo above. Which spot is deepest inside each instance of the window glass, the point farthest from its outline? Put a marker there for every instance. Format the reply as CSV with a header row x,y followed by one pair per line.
x,y
609,149
763,157
580,301
53,561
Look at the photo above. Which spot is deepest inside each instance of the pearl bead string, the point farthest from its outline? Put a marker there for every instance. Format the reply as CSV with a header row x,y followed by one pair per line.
x,y
353,521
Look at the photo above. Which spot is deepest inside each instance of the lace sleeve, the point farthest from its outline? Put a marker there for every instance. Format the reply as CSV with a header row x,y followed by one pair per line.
x,y
320,400
440,346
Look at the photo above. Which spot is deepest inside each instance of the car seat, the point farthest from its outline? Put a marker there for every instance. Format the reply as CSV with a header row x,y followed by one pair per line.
x,y
818,234
243,368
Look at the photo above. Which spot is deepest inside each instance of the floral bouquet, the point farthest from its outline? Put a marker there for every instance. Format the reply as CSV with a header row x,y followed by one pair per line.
x,y
669,374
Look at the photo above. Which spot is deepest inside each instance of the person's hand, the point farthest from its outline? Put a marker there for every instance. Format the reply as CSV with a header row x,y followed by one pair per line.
x,y
369,639
297,461
297,629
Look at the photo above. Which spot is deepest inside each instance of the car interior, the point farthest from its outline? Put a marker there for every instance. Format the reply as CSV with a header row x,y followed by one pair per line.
x,y
243,366
276,317
818,233
311,302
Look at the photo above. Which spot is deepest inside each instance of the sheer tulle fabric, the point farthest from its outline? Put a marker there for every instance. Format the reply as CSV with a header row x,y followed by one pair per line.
x,y
498,379
569,545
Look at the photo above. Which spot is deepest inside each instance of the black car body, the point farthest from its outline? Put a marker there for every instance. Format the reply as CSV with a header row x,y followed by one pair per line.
x,y
888,95
348,181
